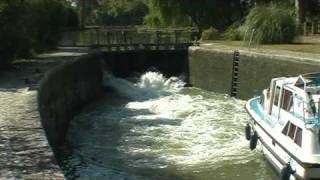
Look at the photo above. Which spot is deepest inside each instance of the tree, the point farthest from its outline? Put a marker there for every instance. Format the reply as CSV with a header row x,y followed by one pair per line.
x,y
217,13
85,9
121,12
30,26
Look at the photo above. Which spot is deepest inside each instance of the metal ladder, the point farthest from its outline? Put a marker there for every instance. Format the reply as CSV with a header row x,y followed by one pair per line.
x,y
235,74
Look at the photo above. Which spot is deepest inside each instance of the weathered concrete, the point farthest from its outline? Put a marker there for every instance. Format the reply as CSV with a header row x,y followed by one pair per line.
x,y
24,150
65,90
210,68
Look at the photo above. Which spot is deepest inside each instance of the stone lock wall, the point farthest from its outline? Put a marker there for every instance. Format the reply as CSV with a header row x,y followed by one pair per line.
x,y
210,68
65,90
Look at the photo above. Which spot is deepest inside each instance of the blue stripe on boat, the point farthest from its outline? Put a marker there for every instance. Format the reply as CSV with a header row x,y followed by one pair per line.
x,y
254,106
256,102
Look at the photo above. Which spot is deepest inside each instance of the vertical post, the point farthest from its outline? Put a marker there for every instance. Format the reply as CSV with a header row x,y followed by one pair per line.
x,y
176,38
108,38
318,111
82,13
104,37
303,111
235,74
124,35
158,35
312,28
91,37
98,36
300,8
305,28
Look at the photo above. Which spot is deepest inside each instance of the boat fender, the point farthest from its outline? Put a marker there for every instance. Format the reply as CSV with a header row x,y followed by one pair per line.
x,y
248,131
286,172
254,140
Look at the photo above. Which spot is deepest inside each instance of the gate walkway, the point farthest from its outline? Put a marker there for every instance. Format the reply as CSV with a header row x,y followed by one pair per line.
x,y
126,38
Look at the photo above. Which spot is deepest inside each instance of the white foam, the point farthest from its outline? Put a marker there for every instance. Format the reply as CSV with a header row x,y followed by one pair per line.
x,y
150,85
192,128
164,126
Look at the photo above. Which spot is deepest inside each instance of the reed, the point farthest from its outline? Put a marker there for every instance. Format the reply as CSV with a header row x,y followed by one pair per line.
x,y
271,23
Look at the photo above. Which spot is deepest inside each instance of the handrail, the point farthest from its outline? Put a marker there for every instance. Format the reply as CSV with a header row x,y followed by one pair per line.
x,y
305,113
111,37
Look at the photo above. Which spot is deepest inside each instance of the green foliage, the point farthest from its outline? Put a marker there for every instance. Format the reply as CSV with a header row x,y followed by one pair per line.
x,y
154,16
204,14
121,12
232,33
163,13
47,27
13,32
210,34
30,27
272,23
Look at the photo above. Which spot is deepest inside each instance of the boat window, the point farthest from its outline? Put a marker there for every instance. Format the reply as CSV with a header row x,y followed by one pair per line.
x,y
292,130
298,136
276,96
285,130
300,83
287,101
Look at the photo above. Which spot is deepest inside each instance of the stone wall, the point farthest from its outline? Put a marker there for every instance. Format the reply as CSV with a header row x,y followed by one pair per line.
x,y
210,68
65,90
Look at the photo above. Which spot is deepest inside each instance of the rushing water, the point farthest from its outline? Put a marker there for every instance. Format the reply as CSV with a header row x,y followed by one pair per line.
x,y
157,129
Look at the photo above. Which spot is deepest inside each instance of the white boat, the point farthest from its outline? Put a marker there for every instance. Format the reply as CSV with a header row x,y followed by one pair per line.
x,y
285,121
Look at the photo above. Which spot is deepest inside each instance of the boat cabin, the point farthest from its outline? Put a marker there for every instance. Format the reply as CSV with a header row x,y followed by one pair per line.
x,y
298,96
292,105
286,122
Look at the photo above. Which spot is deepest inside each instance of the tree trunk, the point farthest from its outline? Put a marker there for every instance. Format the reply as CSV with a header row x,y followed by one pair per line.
x,y
82,13
300,11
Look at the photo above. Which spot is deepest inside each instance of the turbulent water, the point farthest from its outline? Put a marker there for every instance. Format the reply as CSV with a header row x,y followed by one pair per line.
x,y
157,129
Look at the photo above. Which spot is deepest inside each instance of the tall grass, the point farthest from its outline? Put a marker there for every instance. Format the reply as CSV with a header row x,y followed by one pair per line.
x,y
271,23
210,34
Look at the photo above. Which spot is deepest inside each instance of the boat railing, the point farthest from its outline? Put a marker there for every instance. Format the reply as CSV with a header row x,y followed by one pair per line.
x,y
311,112
307,111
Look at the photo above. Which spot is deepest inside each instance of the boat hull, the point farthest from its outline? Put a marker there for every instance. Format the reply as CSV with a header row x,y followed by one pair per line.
x,y
274,151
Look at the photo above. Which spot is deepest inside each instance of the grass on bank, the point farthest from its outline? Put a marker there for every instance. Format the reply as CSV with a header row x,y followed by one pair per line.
x,y
296,47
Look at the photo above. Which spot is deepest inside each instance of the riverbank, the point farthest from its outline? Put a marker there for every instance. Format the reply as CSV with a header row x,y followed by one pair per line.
x,y
24,149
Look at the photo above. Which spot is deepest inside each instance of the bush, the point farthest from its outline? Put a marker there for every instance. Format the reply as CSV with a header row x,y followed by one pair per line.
x,y
273,23
47,17
121,12
31,26
210,34
14,34
232,33
153,20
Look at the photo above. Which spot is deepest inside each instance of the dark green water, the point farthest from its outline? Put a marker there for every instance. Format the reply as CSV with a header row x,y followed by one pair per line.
x,y
156,129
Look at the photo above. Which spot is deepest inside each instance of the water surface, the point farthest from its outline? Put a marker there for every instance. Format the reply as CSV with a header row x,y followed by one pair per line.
x,y
157,129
